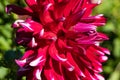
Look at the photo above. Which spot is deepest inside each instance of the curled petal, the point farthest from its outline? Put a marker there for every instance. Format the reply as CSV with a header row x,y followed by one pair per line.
x,y
45,15
68,65
31,26
48,6
26,26
37,74
76,69
33,43
16,23
54,53
53,71
61,44
50,36
40,59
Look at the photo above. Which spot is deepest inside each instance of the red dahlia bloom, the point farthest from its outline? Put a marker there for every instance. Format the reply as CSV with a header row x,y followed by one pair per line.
x,y
61,40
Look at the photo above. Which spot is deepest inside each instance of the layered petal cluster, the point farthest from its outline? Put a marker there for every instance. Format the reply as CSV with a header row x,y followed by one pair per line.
x,y
61,40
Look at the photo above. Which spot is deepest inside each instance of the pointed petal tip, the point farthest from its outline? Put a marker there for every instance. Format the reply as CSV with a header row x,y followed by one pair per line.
x,y
16,23
99,77
107,52
60,58
8,9
71,68
96,1
21,63
41,33
103,58
38,74
100,70
54,54
37,61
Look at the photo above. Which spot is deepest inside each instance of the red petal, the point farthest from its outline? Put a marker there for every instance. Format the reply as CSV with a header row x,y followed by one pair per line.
x,y
41,57
97,20
51,73
37,73
27,54
73,19
32,4
54,53
21,63
101,37
102,49
77,69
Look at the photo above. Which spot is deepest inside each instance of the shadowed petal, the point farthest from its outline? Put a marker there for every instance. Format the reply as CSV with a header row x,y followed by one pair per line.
x,y
18,10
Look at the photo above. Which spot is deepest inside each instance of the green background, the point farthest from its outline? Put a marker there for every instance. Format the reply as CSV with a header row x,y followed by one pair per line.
x,y
9,51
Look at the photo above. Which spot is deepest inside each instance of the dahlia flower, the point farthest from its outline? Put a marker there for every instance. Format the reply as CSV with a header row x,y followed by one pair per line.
x,y
60,39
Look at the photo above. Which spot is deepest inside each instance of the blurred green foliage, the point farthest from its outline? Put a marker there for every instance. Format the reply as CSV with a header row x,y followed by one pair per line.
x,y
9,51
111,10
